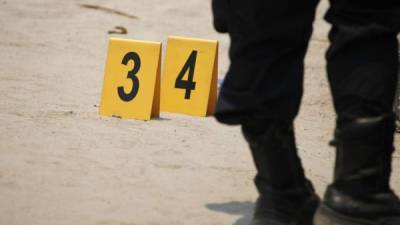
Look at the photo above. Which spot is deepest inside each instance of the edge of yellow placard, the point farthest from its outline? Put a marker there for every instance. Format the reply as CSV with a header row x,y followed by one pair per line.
x,y
193,39
155,108
212,98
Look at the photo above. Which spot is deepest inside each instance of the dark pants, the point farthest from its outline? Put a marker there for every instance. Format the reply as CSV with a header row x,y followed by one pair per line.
x,y
269,42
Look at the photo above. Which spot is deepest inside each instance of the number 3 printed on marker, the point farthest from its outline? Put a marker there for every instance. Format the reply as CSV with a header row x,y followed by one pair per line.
x,y
131,75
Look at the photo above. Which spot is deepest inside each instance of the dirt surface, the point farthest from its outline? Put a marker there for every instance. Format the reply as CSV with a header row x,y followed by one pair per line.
x,y
62,164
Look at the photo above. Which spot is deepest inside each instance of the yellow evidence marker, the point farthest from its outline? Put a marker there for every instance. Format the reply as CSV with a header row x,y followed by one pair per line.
x,y
189,82
131,87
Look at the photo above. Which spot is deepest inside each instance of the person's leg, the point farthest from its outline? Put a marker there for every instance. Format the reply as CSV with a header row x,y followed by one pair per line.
x,y
262,93
220,15
285,195
362,71
268,42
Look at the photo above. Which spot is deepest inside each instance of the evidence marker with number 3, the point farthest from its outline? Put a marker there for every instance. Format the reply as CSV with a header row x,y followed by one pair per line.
x,y
131,87
189,81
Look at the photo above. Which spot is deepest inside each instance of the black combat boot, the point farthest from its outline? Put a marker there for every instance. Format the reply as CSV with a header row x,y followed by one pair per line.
x,y
360,193
286,197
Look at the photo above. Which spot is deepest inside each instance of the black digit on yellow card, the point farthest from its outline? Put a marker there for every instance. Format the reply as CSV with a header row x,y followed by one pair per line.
x,y
188,84
131,75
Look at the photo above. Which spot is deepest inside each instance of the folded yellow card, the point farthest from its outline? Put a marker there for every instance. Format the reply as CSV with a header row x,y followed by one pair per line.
x,y
131,86
189,82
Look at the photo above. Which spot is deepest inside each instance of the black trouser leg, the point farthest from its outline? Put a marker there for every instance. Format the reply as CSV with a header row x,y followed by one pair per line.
x,y
363,56
362,71
268,43
262,92
264,84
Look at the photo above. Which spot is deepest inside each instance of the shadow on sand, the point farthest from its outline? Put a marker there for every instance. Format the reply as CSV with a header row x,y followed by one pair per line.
x,y
244,209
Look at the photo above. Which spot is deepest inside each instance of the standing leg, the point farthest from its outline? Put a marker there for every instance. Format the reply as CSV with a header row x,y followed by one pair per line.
x,y
262,92
362,71
268,42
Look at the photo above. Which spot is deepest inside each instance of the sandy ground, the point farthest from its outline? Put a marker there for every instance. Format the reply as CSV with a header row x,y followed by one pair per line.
x,y
62,164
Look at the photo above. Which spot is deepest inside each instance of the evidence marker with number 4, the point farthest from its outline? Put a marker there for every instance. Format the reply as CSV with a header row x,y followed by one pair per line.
x,y
131,87
189,81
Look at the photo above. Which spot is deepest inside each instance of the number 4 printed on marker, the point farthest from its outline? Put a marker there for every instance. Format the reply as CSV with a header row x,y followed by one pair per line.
x,y
188,84
198,58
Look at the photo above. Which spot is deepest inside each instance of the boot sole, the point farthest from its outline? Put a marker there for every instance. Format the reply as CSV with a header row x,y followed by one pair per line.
x,y
327,216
